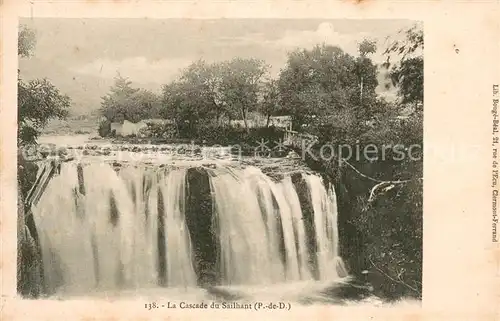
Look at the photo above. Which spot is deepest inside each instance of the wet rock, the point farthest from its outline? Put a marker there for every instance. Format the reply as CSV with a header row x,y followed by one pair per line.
x,y
44,153
308,218
197,151
350,290
199,222
106,151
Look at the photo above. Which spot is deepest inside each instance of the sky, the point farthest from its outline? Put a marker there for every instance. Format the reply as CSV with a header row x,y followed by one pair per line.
x,y
82,56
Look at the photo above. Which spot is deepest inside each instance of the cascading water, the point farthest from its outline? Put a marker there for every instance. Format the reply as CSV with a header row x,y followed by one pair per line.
x,y
141,227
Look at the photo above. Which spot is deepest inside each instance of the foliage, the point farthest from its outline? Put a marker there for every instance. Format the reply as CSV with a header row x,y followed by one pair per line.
x,y
326,81
270,102
235,136
158,130
367,46
211,94
410,78
366,71
178,107
241,82
392,231
125,102
204,82
38,100
104,128
380,228
408,73
387,221
26,41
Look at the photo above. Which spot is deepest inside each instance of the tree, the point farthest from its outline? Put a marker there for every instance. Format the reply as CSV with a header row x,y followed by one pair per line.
x,y
240,85
322,85
408,73
26,42
204,81
38,100
125,102
365,67
270,104
115,106
149,104
177,106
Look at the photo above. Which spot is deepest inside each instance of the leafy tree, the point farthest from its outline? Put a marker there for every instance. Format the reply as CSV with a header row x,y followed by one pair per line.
x,y
149,103
118,104
177,107
365,69
323,84
206,94
408,73
38,100
270,104
204,81
125,102
240,86
409,76
26,41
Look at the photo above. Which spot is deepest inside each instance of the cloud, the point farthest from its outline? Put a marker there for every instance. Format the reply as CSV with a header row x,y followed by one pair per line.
x,y
138,69
325,33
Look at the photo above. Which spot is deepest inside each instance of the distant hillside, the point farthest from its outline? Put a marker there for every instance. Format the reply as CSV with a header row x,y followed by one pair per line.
x,y
85,91
82,124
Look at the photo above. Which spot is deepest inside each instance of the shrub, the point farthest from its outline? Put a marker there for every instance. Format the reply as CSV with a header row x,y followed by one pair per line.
x,y
158,130
104,128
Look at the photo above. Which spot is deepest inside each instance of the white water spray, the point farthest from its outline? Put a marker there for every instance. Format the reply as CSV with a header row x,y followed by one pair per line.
x,y
102,229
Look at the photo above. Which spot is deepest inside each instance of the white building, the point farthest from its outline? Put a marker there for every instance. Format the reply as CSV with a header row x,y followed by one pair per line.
x,y
127,128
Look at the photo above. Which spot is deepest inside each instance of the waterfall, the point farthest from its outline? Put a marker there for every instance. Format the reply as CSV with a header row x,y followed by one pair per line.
x,y
105,228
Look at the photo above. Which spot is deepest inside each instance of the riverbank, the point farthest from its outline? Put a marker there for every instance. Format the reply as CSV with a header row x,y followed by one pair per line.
x,y
380,220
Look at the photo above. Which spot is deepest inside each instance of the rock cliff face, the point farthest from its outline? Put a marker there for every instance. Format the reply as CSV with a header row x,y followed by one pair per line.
x,y
29,262
199,207
380,238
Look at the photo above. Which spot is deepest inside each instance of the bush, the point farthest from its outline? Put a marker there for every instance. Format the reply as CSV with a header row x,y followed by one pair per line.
x,y
104,128
389,221
235,135
158,130
382,234
82,132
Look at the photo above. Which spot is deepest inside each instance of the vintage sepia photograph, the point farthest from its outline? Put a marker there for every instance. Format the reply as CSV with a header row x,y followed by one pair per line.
x,y
221,163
